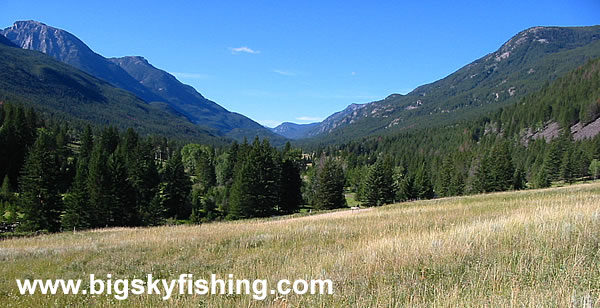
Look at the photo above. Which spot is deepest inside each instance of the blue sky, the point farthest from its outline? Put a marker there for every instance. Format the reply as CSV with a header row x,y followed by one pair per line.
x,y
300,61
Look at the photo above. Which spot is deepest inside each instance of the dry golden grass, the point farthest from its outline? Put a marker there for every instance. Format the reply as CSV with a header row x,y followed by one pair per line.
x,y
533,248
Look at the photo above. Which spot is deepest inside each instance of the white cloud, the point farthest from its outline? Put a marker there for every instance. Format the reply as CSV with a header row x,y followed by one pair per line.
x,y
309,119
190,75
284,73
245,49
353,73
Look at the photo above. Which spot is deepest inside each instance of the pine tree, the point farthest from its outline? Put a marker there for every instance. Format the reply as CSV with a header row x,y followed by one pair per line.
x,y
17,134
109,139
457,184
567,167
404,184
422,183
144,178
77,214
290,193
241,199
40,199
230,163
541,179
98,187
154,213
483,179
122,206
379,184
553,160
519,180
87,144
329,185
205,170
255,190
446,177
175,188
502,169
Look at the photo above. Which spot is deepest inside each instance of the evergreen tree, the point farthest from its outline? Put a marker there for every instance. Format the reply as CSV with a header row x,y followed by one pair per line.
x,y
541,179
457,184
67,168
205,170
41,203
422,183
404,184
87,144
329,185
241,199
204,207
519,180
553,160
144,179
99,188
379,185
77,214
154,213
109,139
446,177
502,169
17,134
175,188
483,179
290,193
229,170
567,167
255,191
122,206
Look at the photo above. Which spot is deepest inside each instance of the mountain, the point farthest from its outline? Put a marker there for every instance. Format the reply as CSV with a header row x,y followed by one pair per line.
x,y
67,48
519,67
136,75
293,130
198,109
38,80
6,42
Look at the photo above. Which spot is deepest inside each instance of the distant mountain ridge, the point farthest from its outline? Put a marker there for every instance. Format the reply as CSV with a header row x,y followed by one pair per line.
x,y
293,130
519,67
197,108
37,80
136,75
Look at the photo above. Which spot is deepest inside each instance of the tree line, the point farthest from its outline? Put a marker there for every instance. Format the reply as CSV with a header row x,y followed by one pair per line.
x,y
57,178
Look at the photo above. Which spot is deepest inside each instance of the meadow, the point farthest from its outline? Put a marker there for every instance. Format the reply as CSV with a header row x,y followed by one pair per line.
x,y
536,248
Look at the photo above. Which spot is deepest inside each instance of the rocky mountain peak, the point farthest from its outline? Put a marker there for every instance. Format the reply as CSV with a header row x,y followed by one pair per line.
x,y
34,35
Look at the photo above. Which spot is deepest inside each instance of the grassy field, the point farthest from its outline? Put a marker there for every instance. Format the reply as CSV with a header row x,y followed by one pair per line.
x,y
535,248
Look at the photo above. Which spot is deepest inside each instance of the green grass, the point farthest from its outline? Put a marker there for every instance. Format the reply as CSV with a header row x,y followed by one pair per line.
x,y
351,200
537,248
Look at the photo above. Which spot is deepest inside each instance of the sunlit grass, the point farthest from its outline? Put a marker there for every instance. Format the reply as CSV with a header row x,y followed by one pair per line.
x,y
533,248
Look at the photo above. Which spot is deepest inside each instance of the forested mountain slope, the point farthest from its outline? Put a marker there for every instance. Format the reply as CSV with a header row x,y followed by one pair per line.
x,y
520,67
